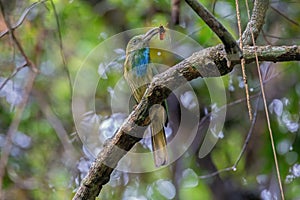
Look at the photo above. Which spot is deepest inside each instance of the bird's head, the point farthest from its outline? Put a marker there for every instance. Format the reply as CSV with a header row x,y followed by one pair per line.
x,y
141,41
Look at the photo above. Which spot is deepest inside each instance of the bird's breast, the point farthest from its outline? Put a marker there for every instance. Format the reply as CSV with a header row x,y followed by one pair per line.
x,y
138,72
141,59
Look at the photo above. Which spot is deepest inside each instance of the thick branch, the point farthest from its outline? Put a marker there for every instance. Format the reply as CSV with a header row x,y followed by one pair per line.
x,y
272,53
208,62
256,21
224,35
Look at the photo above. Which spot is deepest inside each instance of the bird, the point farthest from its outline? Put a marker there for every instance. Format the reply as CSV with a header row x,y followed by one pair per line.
x,y
138,72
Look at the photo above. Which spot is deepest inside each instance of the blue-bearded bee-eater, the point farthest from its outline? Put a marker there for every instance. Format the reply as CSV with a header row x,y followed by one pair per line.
x,y
138,72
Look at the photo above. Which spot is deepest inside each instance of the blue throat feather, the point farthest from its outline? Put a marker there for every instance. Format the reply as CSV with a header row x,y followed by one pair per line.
x,y
141,61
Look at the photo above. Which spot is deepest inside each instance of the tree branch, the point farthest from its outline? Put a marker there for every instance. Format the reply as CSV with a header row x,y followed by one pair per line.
x,y
200,64
21,19
256,21
227,39
272,53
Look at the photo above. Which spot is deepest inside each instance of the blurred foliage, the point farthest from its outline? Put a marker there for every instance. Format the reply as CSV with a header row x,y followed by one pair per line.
x,y
41,165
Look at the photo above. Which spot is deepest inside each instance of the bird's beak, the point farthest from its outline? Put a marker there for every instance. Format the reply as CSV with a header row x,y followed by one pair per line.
x,y
152,32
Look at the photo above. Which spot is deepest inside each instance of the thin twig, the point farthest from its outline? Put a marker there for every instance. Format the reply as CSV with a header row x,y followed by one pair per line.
x,y
243,60
19,108
235,165
13,75
266,109
61,47
285,17
22,18
265,37
282,38
15,40
217,173
248,135
11,29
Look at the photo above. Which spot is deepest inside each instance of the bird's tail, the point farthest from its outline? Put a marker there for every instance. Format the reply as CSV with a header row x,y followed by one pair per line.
x,y
159,142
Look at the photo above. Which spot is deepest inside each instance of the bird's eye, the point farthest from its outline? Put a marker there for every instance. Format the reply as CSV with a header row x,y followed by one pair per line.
x,y
134,41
